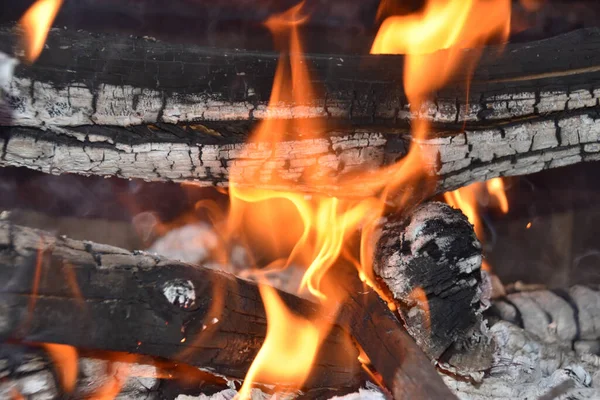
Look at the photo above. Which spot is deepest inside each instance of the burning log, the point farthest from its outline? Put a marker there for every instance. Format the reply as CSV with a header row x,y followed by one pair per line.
x,y
112,299
137,108
100,297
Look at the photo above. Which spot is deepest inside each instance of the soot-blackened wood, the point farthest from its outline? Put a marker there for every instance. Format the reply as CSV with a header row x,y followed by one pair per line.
x,y
101,297
405,369
430,262
136,108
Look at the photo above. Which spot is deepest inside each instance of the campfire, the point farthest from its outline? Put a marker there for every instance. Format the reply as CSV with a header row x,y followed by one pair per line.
x,y
328,231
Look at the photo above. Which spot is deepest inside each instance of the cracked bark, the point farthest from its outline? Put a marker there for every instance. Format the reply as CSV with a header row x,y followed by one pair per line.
x,y
135,108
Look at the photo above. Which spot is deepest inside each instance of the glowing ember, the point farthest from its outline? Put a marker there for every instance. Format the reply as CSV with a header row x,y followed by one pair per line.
x,y
532,5
36,23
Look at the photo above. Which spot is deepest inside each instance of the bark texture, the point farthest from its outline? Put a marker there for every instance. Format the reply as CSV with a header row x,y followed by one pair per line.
x,y
137,108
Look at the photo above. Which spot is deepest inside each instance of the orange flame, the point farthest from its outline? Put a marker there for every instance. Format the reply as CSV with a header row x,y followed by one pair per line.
x,y
443,24
65,362
495,188
16,395
292,228
36,23
289,349
467,199
419,298
116,378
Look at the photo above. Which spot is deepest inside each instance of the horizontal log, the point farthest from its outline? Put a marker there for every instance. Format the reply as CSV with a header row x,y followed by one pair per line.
x,y
83,78
100,297
181,154
135,108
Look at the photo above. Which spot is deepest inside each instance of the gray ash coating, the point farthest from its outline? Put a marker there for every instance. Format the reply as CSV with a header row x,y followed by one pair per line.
x,y
433,252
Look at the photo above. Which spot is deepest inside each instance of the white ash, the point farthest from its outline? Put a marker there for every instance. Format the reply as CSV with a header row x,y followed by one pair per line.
x,y
7,68
525,367
180,293
191,243
369,393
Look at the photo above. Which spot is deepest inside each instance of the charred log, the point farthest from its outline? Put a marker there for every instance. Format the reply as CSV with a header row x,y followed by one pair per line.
x,y
431,264
94,296
136,108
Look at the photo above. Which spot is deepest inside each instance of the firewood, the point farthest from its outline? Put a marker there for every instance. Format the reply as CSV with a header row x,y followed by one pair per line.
x,y
430,262
405,369
144,304
29,371
136,108
100,297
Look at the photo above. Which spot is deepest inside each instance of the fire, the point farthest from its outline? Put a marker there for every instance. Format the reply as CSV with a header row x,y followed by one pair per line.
x,y
290,347
292,228
36,23
495,188
532,5
452,25
313,231
468,198
65,361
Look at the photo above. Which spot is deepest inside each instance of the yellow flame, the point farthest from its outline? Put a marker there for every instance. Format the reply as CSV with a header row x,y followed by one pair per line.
x,y
495,188
289,349
36,23
316,231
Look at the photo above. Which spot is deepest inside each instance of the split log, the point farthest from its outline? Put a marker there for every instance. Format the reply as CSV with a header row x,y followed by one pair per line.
x,y
136,108
94,296
430,262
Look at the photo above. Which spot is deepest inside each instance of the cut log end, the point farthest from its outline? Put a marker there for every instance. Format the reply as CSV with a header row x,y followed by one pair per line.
x,y
431,264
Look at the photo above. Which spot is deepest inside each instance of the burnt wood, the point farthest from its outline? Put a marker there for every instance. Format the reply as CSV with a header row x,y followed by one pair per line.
x,y
430,261
405,369
95,296
138,108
